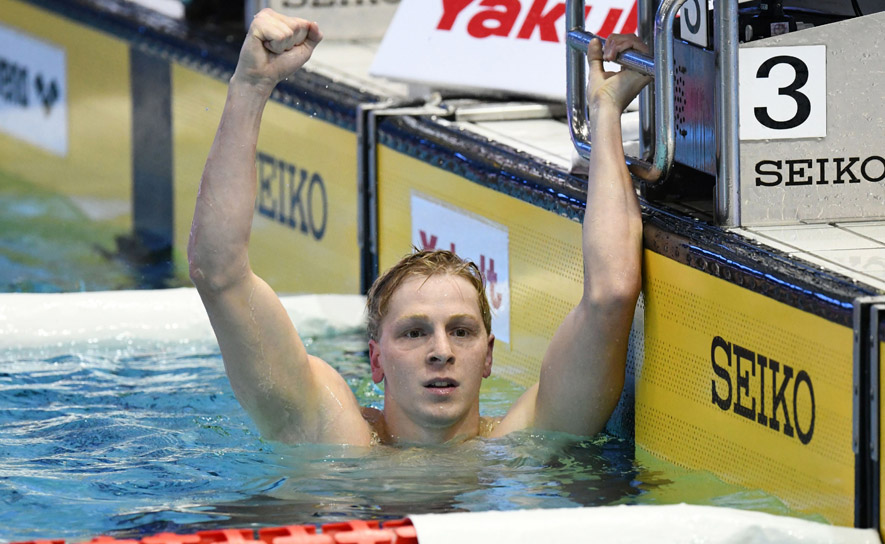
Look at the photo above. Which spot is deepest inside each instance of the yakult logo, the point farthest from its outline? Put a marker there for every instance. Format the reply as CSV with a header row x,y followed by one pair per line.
x,y
526,19
486,266
516,46
438,225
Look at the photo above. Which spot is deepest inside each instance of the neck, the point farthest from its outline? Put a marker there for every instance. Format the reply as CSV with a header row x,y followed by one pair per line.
x,y
398,428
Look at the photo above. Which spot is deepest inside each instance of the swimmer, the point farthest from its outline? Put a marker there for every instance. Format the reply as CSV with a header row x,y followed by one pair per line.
x,y
430,341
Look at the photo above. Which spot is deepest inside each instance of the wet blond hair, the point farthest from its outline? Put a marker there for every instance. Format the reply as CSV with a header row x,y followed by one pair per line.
x,y
422,263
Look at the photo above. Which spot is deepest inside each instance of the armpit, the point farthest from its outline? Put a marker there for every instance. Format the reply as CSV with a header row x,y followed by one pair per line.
x,y
375,418
487,425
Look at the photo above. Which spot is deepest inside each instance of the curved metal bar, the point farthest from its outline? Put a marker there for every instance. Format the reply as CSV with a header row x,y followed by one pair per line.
x,y
665,125
577,39
644,64
576,77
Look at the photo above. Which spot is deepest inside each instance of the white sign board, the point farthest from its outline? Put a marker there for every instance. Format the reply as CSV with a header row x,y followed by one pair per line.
x,y
342,19
812,125
505,45
783,92
436,225
33,91
693,19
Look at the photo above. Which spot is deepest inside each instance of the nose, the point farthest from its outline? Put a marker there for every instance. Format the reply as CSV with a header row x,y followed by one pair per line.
x,y
440,350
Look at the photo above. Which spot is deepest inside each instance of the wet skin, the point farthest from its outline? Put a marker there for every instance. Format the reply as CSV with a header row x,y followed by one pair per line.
x,y
432,354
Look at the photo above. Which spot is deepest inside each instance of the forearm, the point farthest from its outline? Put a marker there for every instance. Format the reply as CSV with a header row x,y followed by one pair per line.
x,y
612,228
582,374
217,251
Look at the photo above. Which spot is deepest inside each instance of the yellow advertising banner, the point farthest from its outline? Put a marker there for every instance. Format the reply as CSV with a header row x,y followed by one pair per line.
x,y
751,389
304,234
66,111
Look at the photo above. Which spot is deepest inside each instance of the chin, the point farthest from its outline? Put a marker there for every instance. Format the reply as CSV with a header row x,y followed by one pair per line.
x,y
445,419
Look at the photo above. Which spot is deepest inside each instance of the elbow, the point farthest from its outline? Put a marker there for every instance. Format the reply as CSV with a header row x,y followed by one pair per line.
x,y
625,288
615,294
613,277
209,282
196,266
198,276
210,276
215,265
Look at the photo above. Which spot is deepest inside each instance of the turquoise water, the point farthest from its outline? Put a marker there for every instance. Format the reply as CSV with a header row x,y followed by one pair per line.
x,y
136,439
134,442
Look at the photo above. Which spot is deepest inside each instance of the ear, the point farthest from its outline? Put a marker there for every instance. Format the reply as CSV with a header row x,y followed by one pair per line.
x,y
375,361
487,367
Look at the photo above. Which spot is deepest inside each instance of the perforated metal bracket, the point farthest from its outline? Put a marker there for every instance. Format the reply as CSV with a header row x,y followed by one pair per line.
x,y
868,321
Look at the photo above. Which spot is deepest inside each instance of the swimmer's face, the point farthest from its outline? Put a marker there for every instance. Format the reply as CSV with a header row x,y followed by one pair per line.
x,y
432,354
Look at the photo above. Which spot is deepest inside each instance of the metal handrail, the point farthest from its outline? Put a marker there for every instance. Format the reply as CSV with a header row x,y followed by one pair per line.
x,y
660,67
728,154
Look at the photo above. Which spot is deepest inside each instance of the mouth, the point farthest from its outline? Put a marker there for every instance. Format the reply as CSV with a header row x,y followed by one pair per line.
x,y
441,384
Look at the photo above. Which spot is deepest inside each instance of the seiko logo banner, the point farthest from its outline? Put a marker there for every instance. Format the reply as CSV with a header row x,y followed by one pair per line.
x,y
510,45
811,125
820,171
761,389
292,196
33,91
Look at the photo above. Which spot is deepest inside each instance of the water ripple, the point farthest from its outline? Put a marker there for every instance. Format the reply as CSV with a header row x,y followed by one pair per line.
x,y
140,440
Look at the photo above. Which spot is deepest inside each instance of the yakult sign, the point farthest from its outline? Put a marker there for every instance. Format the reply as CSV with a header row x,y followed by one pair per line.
x,y
438,225
509,45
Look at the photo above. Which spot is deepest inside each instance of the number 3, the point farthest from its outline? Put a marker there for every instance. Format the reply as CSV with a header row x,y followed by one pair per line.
x,y
803,104
774,80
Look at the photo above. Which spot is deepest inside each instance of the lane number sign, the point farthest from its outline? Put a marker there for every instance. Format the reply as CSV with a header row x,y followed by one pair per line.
x,y
693,22
783,92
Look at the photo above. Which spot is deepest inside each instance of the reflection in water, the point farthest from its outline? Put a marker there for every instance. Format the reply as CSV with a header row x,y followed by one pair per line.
x,y
135,438
130,439
323,484
51,243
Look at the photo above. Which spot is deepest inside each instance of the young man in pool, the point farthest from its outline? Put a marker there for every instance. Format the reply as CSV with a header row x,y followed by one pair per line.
x,y
430,340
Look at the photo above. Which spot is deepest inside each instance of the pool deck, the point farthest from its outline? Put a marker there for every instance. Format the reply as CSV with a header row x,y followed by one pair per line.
x,y
853,249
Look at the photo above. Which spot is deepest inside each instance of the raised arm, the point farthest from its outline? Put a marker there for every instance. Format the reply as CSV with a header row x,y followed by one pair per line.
x,y
292,396
582,373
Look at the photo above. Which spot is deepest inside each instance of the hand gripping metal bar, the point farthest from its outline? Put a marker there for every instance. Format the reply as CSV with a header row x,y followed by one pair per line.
x,y
660,67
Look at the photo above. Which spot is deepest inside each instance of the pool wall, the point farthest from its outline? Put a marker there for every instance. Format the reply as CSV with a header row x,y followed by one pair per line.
x,y
745,362
82,131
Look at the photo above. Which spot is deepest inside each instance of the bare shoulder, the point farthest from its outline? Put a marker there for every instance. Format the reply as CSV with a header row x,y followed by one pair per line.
x,y
323,409
520,416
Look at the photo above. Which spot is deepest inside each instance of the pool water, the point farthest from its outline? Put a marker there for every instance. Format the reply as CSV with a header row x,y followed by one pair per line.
x,y
49,244
137,438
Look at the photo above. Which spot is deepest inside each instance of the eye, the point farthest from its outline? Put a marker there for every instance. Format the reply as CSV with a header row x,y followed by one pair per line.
x,y
461,332
413,333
